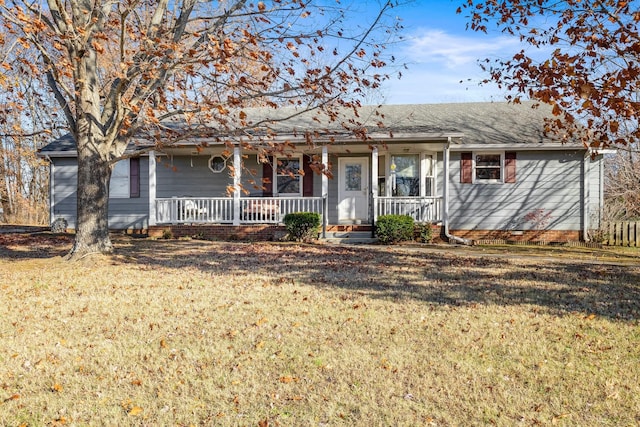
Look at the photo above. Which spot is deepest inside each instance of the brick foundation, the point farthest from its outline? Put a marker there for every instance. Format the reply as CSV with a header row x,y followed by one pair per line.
x,y
262,232
523,236
220,232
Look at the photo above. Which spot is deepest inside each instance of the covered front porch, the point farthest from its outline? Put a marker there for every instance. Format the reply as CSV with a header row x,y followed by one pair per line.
x,y
271,210
366,182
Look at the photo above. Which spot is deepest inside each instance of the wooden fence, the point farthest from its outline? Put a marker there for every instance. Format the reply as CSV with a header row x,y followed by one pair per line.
x,y
622,233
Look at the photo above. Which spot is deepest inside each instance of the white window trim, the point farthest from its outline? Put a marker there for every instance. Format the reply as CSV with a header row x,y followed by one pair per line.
x,y
275,175
126,175
487,181
425,157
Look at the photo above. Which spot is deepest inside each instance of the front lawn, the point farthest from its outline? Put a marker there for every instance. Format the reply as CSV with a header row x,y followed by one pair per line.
x,y
202,333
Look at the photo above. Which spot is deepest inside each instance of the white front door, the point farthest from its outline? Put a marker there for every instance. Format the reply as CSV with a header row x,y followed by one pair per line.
x,y
353,193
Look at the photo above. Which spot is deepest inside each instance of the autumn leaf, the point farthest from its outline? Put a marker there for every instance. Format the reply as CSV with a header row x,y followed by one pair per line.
x,y
135,411
12,397
261,321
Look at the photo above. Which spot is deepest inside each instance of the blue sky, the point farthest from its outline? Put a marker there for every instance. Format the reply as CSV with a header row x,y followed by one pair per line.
x,y
440,53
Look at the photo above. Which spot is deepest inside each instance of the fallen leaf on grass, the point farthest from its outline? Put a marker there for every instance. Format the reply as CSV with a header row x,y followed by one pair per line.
x,y
59,421
12,397
261,321
288,379
136,410
555,419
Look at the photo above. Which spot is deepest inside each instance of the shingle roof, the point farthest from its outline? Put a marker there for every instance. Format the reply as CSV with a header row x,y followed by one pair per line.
x,y
472,124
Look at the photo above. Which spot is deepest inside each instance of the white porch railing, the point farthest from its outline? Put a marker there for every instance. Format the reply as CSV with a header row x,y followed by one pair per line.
x,y
273,209
421,209
219,210
178,210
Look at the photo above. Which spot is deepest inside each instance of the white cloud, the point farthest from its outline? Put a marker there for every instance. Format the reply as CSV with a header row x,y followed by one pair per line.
x,y
444,68
452,51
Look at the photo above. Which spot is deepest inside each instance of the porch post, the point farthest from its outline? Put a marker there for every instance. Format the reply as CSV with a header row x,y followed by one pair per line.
x,y
152,188
374,183
325,191
445,188
237,176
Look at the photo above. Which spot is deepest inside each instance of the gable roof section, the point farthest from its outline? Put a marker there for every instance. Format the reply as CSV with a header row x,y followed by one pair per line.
x,y
478,125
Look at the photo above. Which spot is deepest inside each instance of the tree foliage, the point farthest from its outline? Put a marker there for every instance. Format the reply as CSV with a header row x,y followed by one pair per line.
x,y
27,122
589,69
622,175
165,71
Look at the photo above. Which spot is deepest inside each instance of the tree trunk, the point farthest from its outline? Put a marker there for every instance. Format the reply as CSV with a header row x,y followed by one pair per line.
x,y
92,220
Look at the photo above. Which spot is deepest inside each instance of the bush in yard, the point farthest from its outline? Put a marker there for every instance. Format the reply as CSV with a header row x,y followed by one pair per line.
x,y
424,233
302,226
392,229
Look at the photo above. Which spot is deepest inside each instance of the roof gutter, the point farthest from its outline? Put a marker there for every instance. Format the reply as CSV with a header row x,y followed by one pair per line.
x,y
445,196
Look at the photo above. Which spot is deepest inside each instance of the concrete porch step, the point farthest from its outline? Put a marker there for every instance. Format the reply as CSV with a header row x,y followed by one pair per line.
x,y
354,237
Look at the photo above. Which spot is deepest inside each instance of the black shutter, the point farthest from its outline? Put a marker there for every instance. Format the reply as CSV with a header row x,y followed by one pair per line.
x,y
134,177
510,167
267,177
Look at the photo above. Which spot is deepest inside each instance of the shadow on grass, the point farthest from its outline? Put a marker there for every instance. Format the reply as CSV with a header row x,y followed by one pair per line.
x,y
434,275
28,244
441,277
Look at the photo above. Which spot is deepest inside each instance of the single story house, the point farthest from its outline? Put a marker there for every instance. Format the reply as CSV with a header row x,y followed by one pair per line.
x,y
478,170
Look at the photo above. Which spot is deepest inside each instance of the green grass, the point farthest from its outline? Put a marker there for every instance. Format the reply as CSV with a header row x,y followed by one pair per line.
x,y
200,333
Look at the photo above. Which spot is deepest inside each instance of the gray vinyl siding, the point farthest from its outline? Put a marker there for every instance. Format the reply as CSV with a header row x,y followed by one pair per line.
x,y
546,182
124,213
64,194
184,176
132,213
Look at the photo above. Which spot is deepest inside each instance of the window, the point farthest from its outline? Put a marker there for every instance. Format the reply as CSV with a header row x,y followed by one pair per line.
x,y
488,167
125,179
428,167
288,178
382,178
405,175
217,164
119,186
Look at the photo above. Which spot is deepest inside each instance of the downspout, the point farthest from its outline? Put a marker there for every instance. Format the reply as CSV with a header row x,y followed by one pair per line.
x,y
445,196
586,168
